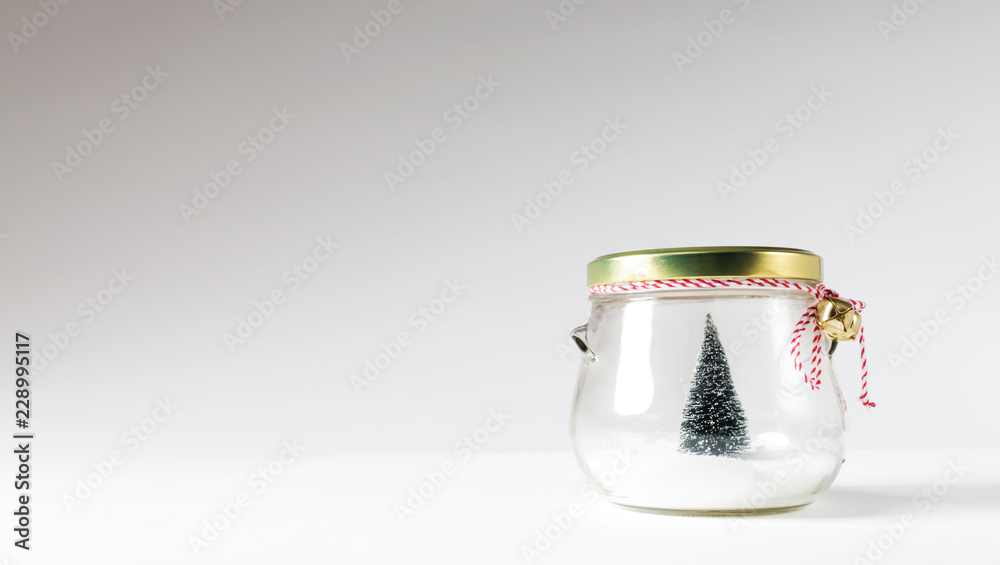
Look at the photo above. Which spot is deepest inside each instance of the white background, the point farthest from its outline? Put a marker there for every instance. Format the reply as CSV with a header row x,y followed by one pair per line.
x,y
503,342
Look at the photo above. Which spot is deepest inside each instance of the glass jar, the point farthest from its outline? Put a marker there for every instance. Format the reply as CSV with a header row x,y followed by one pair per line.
x,y
694,395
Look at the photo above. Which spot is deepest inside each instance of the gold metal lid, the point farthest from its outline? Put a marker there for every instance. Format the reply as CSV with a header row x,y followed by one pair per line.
x,y
706,262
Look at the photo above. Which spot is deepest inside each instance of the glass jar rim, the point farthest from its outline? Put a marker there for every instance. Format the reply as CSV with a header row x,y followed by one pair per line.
x,y
705,263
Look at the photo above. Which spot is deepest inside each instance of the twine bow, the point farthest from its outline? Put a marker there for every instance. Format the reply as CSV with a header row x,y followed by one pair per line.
x,y
806,323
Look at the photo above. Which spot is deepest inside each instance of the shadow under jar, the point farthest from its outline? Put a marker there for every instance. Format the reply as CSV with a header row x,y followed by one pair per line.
x,y
689,400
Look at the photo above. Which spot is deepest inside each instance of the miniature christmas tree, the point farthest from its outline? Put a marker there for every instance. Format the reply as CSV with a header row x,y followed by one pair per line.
x,y
714,423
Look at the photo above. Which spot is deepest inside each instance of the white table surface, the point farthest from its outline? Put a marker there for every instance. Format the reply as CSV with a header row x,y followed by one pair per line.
x,y
339,509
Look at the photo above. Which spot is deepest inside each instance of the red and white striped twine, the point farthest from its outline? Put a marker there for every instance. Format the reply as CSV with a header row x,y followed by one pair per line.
x,y
805,324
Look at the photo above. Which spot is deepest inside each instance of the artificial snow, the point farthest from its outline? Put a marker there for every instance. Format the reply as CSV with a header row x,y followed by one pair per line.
x,y
669,479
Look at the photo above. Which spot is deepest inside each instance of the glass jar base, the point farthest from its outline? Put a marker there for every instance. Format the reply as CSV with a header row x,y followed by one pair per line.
x,y
717,513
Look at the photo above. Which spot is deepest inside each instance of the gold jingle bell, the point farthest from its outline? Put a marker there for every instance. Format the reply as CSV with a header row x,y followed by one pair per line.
x,y
838,319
